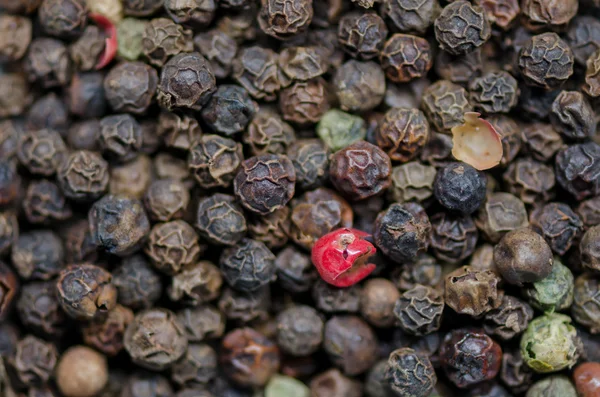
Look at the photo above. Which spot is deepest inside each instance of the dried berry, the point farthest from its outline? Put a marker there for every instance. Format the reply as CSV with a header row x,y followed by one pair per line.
x,y
166,200
514,373
141,8
81,372
305,102
38,255
219,49
9,231
272,229
445,104
409,373
15,36
196,13
144,383
202,322
340,129
83,135
453,237
299,330
44,202
583,37
49,112
362,34
268,133
130,87
419,310
41,152
553,293
589,212
88,48
9,288
350,344
586,379
155,339
85,98
196,368
405,57
214,161
294,269
163,39
572,115
243,307
256,69
33,362
284,20
359,86
220,220
469,357
501,213
586,302
195,284
509,319
248,265
172,245
530,180
120,137
106,335
460,187
577,170
494,92
229,110
301,64
462,28
139,285
332,383
546,61
310,158
542,141
186,81
473,292
265,183
402,133
545,14
15,97
592,75
131,179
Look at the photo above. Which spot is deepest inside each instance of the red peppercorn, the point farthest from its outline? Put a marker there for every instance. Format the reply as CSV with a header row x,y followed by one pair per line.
x,y
341,257
587,379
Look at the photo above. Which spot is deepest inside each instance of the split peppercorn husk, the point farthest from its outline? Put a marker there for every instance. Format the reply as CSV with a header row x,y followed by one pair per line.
x,y
294,198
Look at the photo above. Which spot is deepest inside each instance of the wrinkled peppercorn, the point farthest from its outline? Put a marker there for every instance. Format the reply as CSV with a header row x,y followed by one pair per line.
x,y
202,322
558,224
33,362
590,250
44,202
501,213
583,37
120,137
419,310
38,255
542,141
575,167
350,343
453,237
360,170
509,319
310,158
522,256
460,187
445,103
141,8
9,288
229,110
138,285
546,61
494,92
332,383
473,292
301,64
362,34
268,133
88,48
78,243
359,86
47,63
219,48
220,219
530,180
514,373
63,18
248,265
196,13
304,102
85,291
15,36
469,357
130,86
244,307
172,245
402,133
545,14
163,38
106,335
586,302
9,231
166,200
83,135
402,232
256,69
572,115
15,97
299,330
214,161
592,75
196,368
405,57
461,28
265,183
41,152
340,129
195,284
49,112
272,229
249,358
144,384
131,179
285,20
410,373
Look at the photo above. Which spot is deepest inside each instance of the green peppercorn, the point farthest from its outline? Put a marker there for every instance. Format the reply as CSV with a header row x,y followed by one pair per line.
x,y
555,292
285,386
339,129
552,386
550,343
130,32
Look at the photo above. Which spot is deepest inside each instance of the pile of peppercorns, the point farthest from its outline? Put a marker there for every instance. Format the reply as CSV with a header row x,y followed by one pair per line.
x,y
262,198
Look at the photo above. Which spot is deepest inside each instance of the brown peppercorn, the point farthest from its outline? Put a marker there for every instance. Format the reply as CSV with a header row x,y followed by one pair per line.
x,y
473,292
332,383
405,57
9,288
587,379
360,170
359,86
155,339
195,13
558,224
589,212
138,284
500,13
501,213
83,176
256,69
41,152
453,237
311,162
63,18
530,180
172,245
85,98
167,166
196,368
131,179
244,307
166,200
377,301
50,112
120,137
350,344
402,133
522,256
462,28
248,358
592,75
284,20
545,14
163,38
186,81
409,373
15,36
88,48
418,311
141,8
589,249
118,224
331,299
575,170
265,183
130,86
81,372
85,291
469,356
214,161
494,92
459,69
299,330
202,322
106,335
44,202
39,309
38,255
301,64
509,319
83,135
541,140
196,283
586,302
514,373
10,130
272,229
445,104
423,271
9,231
219,48
15,96
304,102
362,34
268,133
546,61
48,63
32,363
573,116
10,182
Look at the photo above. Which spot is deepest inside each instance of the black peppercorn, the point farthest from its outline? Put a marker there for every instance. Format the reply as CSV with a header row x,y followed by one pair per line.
x,y
419,310
299,330
202,322
545,14
244,307
362,34
377,301
445,103
86,96
460,187
146,384
41,152
9,288
33,362
530,180
301,64
139,286
163,39
15,36
305,102
106,334
453,237
120,137
573,116
256,69
47,63
272,229
541,140
15,95
495,92
558,224
359,86
44,202
350,343
196,368
38,255
310,158
141,8
576,170
284,21
83,135
409,373
83,176
220,220
49,112
10,183
229,110
88,48
219,48
405,57
63,18
248,265
268,133
402,133
295,271
509,319
9,231
172,245
589,249
130,87
462,28
586,302
546,61
214,161
196,13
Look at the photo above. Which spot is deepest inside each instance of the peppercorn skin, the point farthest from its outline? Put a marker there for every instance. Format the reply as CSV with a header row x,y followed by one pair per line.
x,y
587,379
341,257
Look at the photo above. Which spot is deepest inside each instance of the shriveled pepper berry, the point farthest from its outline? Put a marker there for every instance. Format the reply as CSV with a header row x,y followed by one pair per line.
x,y
341,257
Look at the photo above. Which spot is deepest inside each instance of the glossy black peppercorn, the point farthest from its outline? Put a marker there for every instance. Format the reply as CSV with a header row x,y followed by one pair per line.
x,y
460,187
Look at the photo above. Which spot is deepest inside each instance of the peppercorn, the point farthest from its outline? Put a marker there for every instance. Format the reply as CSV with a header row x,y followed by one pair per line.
x,y
219,49
522,256
473,292
32,363
514,373
362,34
49,112
9,290
377,301
202,322
10,130
130,86
332,383
144,383
85,291
44,202
412,181
172,246
196,283
283,21
196,368
229,110
589,212
542,53
542,141
131,179
272,229
586,302
509,319
138,285
9,337
340,129
583,36
299,64
460,187
550,343
310,158
83,135
558,224
214,160
265,183
552,386
305,102
196,13
419,310
41,152
469,357
495,92
155,339
555,292
350,344
453,237
260,357
106,335
530,180
586,377
544,14
592,82
9,231
375,384
16,96
453,23
256,69
38,255
445,104
589,249
402,133
141,8
299,330
359,86
245,307
410,373
574,170
248,265
268,133
572,115
88,48
38,308
15,33
118,224
220,219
